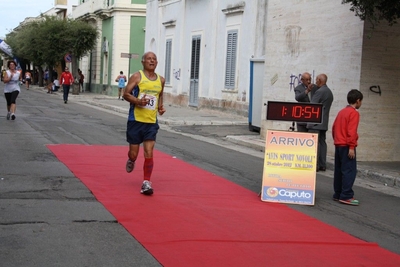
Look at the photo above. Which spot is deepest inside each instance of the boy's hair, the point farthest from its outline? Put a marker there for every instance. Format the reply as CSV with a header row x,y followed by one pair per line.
x,y
353,95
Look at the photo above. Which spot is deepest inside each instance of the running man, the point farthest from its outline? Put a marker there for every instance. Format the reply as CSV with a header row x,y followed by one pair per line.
x,y
144,92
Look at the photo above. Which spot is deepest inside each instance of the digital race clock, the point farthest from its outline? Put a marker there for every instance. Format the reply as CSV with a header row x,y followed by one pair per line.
x,y
294,111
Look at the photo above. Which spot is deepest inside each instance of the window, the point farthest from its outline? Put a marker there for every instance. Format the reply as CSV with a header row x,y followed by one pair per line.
x,y
168,48
231,49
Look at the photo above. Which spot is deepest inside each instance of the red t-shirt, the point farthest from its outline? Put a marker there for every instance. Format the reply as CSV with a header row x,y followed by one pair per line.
x,y
344,129
66,78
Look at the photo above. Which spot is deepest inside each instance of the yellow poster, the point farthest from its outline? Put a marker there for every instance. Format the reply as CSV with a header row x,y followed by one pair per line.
x,y
290,167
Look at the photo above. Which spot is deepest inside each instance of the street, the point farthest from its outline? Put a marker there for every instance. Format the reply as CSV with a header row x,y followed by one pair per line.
x,y
49,218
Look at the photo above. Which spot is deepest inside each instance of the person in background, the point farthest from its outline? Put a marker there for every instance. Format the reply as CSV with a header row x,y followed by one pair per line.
x,y
66,80
3,74
144,92
345,138
81,78
324,96
35,76
303,93
28,79
121,80
12,80
53,87
46,77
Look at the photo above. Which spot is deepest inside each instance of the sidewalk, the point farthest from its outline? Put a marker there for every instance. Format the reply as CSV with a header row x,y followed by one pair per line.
x,y
386,173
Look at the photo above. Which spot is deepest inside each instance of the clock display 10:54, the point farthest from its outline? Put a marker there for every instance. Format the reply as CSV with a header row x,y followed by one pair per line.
x,y
294,111
301,112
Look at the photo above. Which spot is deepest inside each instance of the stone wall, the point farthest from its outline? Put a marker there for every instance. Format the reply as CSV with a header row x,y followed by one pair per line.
x,y
232,107
380,112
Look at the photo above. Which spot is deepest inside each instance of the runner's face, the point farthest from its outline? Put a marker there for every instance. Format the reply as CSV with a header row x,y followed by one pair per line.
x,y
150,62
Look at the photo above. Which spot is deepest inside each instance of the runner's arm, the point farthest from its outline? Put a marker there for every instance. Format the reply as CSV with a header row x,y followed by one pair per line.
x,y
128,96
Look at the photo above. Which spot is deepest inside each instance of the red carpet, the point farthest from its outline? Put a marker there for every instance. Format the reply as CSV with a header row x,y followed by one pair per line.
x,y
196,218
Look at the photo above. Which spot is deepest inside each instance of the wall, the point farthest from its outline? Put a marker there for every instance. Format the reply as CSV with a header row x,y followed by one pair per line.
x,y
380,124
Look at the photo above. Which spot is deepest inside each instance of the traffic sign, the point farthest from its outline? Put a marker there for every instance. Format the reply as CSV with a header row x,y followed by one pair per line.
x,y
68,58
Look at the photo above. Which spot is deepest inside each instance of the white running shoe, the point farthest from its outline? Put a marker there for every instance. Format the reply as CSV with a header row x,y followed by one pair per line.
x,y
146,188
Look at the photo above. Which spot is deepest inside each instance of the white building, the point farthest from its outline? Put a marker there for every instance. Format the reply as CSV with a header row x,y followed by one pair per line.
x,y
204,49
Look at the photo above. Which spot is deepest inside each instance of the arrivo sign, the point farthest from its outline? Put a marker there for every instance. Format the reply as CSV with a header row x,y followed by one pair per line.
x,y
294,111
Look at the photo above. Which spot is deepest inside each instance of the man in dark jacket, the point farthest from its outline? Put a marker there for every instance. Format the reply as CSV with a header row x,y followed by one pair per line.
x,y
303,93
324,96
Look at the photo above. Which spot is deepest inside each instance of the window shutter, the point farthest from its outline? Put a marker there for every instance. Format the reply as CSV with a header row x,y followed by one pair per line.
x,y
231,49
168,49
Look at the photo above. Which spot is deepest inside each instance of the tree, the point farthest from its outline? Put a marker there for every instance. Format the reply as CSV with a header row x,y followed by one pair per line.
x,y
376,10
49,39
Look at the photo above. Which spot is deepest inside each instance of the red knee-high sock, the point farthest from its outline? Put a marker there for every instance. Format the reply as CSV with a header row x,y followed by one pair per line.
x,y
148,168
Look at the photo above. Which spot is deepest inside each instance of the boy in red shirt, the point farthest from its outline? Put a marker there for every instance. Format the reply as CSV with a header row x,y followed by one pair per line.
x,y
345,137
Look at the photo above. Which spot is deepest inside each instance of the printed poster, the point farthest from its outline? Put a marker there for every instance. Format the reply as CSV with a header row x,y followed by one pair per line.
x,y
290,167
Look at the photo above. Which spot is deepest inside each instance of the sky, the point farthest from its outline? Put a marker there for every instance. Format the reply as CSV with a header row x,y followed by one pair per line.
x,y
12,13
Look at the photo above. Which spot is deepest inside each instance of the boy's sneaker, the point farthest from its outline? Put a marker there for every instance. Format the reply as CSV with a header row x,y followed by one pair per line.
x,y
12,116
146,188
350,201
130,165
8,115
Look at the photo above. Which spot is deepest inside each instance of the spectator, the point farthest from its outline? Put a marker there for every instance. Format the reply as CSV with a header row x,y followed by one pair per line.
x,y
46,77
345,138
55,85
121,80
324,96
303,93
66,80
81,78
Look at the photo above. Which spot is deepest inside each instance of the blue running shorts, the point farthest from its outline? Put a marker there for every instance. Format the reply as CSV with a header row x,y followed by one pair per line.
x,y
137,132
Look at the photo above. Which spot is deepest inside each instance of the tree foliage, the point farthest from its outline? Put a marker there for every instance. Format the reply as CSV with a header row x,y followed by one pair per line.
x,y
376,10
46,41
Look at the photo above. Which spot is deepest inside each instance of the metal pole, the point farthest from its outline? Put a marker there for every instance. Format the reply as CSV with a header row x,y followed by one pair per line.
x,y
90,70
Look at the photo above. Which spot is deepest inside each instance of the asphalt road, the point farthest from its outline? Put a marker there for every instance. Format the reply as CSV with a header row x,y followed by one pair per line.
x,y
49,218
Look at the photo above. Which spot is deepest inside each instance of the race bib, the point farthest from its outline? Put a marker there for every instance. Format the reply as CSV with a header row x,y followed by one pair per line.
x,y
152,105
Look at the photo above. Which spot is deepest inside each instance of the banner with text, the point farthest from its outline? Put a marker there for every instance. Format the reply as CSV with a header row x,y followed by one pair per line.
x,y
290,167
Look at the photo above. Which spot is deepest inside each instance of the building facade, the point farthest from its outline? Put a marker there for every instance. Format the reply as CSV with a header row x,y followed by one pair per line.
x,y
121,24
204,50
